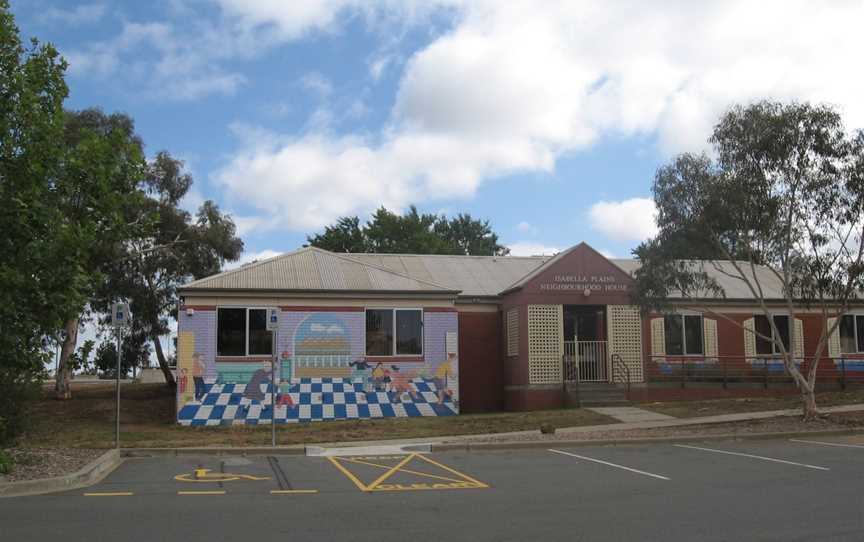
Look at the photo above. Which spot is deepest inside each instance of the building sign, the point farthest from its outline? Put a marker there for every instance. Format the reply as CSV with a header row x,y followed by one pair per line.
x,y
584,283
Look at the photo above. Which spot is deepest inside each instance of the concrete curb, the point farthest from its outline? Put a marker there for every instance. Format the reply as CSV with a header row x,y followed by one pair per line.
x,y
298,449
551,443
88,475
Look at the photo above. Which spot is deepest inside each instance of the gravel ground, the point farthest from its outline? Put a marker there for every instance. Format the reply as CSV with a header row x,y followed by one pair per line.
x,y
773,425
31,463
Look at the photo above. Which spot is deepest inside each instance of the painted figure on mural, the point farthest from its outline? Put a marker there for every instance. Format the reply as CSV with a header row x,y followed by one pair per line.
x,y
183,381
380,377
401,384
442,377
198,370
360,371
253,388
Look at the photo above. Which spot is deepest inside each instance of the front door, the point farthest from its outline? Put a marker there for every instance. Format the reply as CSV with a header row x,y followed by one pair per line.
x,y
585,326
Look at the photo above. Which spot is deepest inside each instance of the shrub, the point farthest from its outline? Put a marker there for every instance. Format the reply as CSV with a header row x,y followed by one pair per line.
x,y
17,390
5,463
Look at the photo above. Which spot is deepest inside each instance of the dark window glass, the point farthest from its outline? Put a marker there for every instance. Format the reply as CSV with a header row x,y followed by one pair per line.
x,y
693,335
782,323
379,332
260,339
409,332
763,327
860,327
847,334
674,334
231,332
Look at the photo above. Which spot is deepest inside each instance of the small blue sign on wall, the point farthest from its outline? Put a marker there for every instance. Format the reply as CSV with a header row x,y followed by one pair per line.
x,y
272,319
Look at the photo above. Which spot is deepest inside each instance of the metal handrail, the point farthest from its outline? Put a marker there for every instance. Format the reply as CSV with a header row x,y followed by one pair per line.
x,y
619,365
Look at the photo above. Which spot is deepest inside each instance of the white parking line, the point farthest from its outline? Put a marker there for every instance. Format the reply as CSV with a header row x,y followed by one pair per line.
x,y
642,472
763,458
838,444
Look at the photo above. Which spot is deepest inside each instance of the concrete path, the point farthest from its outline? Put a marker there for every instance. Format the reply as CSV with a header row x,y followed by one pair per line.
x,y
630,414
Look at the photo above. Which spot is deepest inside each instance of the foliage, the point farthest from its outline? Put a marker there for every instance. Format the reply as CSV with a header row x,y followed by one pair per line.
x,y
39,277
5,463
411,233
786,191
177,246
99,181
80,360
135,349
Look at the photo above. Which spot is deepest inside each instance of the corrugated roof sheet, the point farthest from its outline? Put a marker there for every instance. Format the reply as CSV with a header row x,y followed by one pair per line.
x,y
473,276
311,269
314,269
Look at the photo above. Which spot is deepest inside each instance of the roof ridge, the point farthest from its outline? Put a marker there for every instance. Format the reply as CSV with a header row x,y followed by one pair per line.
x,y
346,256
538,257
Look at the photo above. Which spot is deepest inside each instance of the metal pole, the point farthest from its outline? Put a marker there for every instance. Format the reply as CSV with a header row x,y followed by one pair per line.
x,y
273,383
119,356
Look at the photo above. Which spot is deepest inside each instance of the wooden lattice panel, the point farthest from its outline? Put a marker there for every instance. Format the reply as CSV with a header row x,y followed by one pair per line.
x,y
709,333
545,343
625,337
833,340
513,332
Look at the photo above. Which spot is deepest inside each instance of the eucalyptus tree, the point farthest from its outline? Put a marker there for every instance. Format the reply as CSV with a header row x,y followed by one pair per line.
x,y
177,246
785,191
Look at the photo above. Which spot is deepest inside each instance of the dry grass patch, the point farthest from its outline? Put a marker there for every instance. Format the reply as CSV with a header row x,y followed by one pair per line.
x,y
87,421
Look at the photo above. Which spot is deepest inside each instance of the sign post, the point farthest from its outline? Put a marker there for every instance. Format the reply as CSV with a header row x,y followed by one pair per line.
x,y
273,327
119,320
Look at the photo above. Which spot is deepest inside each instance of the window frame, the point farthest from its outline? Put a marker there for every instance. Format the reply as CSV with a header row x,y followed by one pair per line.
x,y
395,353
855,316
682,315
247,308
774,350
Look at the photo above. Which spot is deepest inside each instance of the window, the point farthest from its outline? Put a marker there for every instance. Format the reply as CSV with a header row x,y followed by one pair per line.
x,y
394,332
683,334
763,327
852,334
512,332
243,332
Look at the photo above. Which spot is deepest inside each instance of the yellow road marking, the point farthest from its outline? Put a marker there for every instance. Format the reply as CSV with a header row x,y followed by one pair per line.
x,y
463,482
349,474
392,471
291,491
200,492
111,494
206,475
409,471
452,471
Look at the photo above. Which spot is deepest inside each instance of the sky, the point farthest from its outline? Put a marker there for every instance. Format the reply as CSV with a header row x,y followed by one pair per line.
x,y
548,118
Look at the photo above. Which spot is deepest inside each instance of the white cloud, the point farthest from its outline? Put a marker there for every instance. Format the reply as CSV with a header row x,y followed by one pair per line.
x,y
527,248
512,87
249,257
82,14
526,227
628,220
317,84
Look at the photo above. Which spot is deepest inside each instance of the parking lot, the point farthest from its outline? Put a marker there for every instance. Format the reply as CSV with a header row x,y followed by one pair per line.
x,y
804,489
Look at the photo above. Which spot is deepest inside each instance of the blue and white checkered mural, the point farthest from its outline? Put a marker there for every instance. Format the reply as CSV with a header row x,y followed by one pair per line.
x,y
312,399
322,373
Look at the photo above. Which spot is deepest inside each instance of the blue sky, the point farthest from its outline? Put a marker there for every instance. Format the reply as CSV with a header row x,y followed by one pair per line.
x,y
547,118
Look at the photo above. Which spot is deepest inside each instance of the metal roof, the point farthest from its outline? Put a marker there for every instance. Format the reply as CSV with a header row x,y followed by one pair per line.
x,y
473,276
314,269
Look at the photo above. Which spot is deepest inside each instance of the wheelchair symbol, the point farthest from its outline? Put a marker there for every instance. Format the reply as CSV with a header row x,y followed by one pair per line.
x,y
206,475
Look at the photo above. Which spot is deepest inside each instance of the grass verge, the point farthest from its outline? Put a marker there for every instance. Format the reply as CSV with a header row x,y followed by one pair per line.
x,y
734,405
147,420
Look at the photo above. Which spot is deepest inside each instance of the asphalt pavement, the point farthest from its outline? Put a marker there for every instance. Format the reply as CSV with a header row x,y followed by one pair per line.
x,y
809,489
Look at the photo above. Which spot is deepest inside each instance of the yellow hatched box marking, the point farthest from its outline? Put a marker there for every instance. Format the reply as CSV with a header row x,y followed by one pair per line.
x,y
454,480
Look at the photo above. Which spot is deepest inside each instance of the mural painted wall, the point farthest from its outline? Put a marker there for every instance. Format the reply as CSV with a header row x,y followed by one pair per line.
x,y
322,373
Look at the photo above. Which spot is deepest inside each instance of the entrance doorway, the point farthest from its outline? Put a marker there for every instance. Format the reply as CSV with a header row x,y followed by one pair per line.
x,y
585,352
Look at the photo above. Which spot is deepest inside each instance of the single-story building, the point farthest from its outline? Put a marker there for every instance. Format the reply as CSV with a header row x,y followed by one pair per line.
x,y
380,335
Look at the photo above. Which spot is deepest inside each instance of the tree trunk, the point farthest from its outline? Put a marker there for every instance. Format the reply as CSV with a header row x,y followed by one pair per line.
x,y
160,355
808,401
63,378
